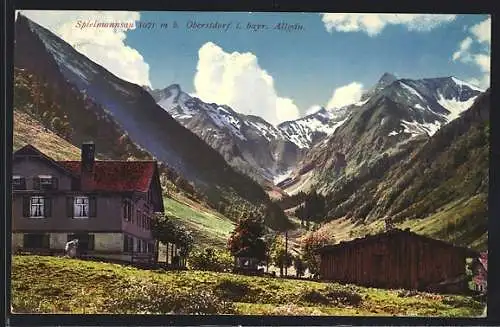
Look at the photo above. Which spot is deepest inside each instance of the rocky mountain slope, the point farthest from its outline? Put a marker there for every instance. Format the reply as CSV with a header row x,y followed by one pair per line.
x,y
440,187
395,116
250,144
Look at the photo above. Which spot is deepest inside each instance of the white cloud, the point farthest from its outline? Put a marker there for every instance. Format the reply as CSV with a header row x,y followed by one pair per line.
x,y
483,61
462,52
482,31
313,109
236,79
345,95
481,34
373,24
105,46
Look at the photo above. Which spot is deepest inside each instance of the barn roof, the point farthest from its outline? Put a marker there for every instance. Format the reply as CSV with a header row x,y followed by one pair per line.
x,y
117,176
392,233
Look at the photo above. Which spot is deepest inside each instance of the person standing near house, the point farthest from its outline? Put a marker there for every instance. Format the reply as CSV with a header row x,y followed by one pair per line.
x,y
71,248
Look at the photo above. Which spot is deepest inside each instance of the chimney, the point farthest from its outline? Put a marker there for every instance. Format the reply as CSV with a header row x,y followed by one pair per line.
x,y
87,164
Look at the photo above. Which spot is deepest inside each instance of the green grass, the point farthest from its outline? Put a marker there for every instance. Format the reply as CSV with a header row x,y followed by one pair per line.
x,y
463,222
28,130
209,227
42,284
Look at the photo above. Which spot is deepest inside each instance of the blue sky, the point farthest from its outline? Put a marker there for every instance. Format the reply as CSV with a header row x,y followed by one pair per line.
x,y
306,66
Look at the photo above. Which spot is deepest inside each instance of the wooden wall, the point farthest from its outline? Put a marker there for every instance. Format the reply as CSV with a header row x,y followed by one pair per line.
x,y
393,261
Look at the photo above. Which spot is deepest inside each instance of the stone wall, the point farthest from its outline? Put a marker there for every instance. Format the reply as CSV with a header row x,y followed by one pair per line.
x,y
108,242
58,240
17,241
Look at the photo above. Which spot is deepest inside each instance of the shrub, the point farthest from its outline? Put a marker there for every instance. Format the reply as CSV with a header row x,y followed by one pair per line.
x,y
407,293
232,290
211,259
149,297
315,297
346,295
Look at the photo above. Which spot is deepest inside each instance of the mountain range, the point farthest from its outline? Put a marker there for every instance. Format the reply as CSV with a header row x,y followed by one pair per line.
x,y
250,144
394,115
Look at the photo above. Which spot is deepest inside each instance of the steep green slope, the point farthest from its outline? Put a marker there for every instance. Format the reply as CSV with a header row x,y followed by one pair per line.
x,y
440,188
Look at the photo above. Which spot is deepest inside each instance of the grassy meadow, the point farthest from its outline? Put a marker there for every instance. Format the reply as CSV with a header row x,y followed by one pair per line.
x,y
43,284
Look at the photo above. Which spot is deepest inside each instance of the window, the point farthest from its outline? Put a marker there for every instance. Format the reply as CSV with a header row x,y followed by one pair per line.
x,y
37,207
137,245
45,182
36,241
151,247
127,210
128,244
18,182
81,207
45,179
149,197
138,217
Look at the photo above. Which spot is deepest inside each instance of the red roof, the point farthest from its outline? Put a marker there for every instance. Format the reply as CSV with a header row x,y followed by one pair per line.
x,y
117,176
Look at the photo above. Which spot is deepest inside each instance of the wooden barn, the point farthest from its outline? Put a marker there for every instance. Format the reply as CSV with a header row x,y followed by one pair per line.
x,y
397,259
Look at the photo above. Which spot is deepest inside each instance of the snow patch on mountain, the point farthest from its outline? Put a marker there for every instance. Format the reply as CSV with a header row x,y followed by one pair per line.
x,y
302,131
362,102
462,84
415,128
411,90
265,131
281,177
454,106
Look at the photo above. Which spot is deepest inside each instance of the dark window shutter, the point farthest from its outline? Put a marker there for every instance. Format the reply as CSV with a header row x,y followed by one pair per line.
x,y
47,202
132,244
36,183
46,241
70,208
124,204
92,206
22,185
91,242
26,206
55,183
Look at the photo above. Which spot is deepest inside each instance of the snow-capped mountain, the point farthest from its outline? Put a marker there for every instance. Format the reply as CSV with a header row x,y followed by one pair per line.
x,y
247,142
432,102
391,116
306,131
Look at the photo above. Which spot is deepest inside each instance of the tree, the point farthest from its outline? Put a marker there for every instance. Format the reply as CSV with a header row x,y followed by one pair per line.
x,y
211,259
246,240
164,230
184,241
311,242
299,266
278,254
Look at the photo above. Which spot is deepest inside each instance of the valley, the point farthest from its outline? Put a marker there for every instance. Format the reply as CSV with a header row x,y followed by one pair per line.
x,y
400,152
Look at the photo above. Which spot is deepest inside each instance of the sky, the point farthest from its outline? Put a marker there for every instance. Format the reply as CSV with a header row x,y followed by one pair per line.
x,y
323,60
